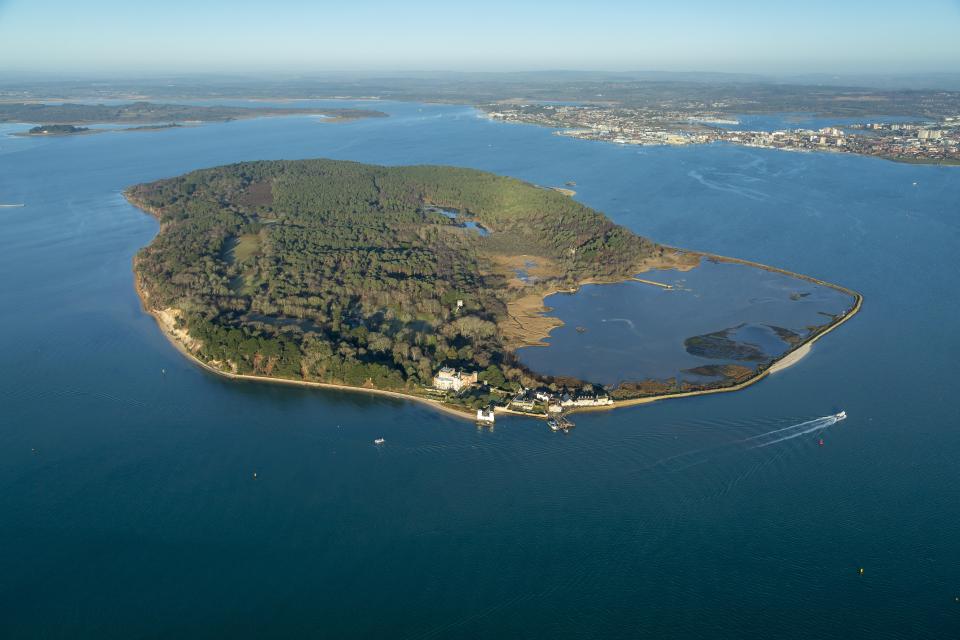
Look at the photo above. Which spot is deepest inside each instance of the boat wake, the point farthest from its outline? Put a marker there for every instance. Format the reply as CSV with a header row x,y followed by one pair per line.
x,y
692,458
625,321
795,431
746,192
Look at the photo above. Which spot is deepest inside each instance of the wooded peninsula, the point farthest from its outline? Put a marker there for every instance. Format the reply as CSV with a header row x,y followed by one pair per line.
x,y
401,279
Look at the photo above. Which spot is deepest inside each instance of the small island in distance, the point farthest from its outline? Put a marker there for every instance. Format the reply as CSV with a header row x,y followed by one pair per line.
x,y
422,281
71,130
56,130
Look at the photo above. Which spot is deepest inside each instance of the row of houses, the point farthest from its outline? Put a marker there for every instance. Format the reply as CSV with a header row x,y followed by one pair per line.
x,y
566,401
529,400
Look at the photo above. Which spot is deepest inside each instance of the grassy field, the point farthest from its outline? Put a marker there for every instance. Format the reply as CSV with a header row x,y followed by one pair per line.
x,y
246,246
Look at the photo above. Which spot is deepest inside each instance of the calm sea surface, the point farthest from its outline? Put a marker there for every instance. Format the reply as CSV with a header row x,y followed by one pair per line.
x,y
128,507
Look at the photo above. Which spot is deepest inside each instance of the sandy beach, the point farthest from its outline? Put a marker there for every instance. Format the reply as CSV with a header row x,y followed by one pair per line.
x,y
180,339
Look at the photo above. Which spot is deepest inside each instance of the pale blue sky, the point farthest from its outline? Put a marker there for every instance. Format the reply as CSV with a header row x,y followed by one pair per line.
x,y
839,36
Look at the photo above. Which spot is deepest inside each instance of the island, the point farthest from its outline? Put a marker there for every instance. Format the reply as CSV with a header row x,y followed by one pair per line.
x,y
56,130
417,281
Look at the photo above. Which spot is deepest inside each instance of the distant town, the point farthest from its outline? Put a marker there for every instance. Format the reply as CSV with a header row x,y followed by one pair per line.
x,y
923,141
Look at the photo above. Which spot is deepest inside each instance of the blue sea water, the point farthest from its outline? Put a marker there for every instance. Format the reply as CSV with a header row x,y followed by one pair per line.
x,y
127,491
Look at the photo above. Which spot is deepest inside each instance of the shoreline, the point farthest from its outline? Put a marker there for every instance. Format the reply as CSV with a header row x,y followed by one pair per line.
x,y
792,358
524,307
787,360
185,351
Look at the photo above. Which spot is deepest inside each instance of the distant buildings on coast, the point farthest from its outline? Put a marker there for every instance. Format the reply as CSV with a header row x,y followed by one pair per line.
x,y
937,141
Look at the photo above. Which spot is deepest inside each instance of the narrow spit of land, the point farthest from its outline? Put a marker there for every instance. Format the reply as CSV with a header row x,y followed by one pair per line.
x,y
64,116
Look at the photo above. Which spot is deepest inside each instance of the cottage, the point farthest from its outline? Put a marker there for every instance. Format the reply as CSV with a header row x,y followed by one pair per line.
x,y
523,401
523,404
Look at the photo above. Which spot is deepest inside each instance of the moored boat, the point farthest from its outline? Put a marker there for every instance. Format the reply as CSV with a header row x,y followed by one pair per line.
x,y
560,423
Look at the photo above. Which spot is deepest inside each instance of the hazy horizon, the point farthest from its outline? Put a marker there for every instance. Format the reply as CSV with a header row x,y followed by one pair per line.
x,y
372,36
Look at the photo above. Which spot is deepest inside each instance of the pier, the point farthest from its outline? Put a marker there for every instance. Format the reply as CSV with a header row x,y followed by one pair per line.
x,y
653,282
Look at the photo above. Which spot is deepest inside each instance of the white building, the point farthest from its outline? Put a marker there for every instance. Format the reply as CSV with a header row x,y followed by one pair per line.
x,y
585,401
449,379
485,415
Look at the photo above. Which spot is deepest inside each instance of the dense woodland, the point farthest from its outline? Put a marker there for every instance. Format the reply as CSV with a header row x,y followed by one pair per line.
x,y
343,272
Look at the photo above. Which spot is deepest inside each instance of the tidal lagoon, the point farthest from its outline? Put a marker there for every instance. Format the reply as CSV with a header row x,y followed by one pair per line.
x,y
671,325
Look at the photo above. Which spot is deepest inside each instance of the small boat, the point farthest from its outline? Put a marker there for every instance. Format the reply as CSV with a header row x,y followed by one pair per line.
x,y
554,424
841,416
379,441
821,442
